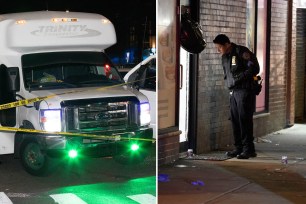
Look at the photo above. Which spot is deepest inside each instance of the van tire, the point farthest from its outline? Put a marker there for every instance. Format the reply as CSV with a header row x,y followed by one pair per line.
x,y
33,160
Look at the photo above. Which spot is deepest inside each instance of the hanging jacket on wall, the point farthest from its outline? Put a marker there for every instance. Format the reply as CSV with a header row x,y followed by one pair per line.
x,y
191,36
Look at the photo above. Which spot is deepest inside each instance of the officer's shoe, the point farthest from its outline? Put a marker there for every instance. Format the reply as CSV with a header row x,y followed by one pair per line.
x,y
246,155
233,153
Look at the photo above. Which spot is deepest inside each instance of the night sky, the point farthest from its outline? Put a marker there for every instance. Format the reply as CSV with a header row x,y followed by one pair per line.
x,y
122,13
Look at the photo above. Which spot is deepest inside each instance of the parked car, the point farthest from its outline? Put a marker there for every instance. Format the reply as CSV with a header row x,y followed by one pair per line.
x,y
143,76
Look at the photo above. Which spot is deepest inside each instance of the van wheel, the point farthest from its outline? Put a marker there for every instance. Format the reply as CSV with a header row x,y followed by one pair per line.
x,y
34,161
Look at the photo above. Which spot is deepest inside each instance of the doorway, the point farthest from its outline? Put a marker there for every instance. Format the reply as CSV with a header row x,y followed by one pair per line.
x,y
188,87
300,83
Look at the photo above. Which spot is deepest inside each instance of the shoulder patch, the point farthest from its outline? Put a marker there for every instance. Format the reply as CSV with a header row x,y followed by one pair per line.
x,y
246,56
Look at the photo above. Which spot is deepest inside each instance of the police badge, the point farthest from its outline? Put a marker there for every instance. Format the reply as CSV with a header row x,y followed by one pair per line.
x,y
233,60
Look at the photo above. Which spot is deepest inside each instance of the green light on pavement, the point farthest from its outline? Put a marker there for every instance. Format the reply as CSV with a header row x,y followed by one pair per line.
x,y
134,147
73,153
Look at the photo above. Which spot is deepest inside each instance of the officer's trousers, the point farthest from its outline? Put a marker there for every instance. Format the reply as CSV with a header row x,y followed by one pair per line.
x,y
242,105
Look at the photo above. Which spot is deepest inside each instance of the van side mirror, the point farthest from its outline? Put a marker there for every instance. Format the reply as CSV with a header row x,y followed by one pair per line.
x,y
140,78
136,86
14,78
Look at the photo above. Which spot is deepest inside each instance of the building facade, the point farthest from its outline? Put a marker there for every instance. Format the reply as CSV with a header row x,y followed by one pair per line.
x,y
269,29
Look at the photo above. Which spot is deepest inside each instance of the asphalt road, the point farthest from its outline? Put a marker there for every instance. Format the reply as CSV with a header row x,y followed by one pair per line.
x,y
90,180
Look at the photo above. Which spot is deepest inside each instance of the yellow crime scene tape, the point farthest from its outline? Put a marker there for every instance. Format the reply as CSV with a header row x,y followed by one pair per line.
x,y
70,134
33,100
25,102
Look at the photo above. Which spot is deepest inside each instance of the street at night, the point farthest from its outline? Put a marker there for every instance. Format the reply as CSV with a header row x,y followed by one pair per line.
x,y
90,180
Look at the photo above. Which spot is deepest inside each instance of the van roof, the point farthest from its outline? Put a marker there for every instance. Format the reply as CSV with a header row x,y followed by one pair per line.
x,y
34,15
38,31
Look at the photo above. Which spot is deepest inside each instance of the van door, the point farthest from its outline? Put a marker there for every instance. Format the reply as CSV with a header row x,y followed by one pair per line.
x,y
7,116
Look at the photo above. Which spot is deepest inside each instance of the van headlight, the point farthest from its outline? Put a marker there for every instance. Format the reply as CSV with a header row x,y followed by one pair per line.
x,y
145,117
50,120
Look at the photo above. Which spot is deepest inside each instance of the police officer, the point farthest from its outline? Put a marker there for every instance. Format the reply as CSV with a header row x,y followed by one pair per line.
x,y
240,65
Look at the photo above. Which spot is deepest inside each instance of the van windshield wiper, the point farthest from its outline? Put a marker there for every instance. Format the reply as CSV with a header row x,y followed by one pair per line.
x,y
100,82
40,85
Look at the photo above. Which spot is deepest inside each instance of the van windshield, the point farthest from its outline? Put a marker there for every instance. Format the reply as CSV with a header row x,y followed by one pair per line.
x,y
68,69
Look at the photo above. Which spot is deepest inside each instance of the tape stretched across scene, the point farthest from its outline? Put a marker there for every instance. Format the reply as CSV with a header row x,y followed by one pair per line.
x,y
71,134
25,102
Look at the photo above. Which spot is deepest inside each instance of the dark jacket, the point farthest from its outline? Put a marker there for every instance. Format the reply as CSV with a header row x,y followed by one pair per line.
x,y
239,66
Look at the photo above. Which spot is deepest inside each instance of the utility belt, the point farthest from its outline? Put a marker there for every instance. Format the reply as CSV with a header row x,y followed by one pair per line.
x,y
254,87
242,85
235,90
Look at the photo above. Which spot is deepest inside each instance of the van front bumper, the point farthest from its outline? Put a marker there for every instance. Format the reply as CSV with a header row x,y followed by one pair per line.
x,y
58,145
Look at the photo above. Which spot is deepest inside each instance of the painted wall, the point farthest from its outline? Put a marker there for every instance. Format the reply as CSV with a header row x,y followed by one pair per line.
x,y
168,133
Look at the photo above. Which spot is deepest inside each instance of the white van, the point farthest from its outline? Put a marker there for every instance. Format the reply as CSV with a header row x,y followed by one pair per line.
x,y
143,77
59,56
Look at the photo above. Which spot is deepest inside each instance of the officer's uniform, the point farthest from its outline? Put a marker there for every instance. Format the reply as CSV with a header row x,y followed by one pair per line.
x,y
240,66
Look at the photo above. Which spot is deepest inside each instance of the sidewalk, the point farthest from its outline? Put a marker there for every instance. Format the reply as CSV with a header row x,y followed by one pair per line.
x,y
264,179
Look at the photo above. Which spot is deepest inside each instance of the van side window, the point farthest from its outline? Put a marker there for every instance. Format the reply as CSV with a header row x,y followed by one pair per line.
x,y
148,77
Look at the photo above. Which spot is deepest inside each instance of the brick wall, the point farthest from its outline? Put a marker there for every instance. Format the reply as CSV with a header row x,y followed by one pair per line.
x,y
168,147
278,65
229,17
214,129
293,60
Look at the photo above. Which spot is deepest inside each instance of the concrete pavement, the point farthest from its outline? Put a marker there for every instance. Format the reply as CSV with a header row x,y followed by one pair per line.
x,y
264,179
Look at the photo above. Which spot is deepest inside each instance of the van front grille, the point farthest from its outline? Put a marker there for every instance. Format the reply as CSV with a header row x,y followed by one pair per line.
x,y
100,116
